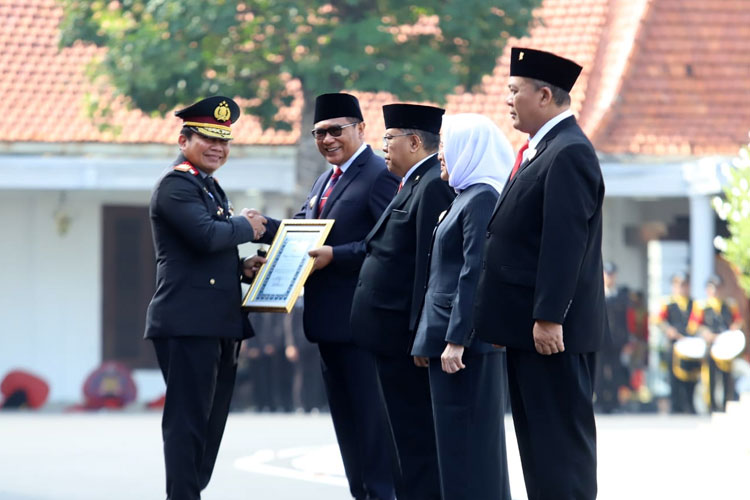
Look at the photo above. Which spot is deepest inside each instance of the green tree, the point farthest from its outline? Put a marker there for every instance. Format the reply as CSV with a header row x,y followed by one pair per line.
x,y
734,208
163,53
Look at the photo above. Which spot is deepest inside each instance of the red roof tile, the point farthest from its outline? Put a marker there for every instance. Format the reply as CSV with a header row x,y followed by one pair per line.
x,y
660,77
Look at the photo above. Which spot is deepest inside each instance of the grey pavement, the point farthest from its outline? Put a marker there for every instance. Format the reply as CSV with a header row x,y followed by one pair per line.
x,y
117,456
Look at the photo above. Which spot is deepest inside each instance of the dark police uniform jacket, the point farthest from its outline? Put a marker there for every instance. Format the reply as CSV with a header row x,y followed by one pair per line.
x,y
543,248
392,280
198,268
356,203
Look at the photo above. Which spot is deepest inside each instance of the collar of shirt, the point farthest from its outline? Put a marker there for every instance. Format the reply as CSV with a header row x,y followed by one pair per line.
x,y
534,141
416,165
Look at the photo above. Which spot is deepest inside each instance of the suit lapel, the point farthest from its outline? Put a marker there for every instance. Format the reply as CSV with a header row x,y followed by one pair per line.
x,y
403,196
539,150
346,178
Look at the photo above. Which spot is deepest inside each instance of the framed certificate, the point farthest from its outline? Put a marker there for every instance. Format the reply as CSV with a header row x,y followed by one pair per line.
x,y
279,281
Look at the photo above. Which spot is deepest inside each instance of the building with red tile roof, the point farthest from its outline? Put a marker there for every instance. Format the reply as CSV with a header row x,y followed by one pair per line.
x,y
661,77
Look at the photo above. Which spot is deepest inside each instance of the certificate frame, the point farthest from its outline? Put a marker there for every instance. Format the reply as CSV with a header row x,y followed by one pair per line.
x,y
280,279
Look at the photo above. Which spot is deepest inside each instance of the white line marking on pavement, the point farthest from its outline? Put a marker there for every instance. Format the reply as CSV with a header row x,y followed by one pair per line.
x,y
316,464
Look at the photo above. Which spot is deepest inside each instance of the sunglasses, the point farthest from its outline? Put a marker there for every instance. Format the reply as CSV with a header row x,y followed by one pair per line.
x,y
334,131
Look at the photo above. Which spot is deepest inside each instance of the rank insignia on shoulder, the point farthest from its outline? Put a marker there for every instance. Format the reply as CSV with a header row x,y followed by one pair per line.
x,y
186,167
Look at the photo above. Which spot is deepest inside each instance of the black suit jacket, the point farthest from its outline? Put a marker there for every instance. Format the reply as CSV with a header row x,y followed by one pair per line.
x,y
198,268
455,263
391,283
356,203
543,250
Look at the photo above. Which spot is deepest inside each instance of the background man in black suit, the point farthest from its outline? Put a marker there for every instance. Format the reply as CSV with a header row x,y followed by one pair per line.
x,y
541,291
391,286
194,318
354,192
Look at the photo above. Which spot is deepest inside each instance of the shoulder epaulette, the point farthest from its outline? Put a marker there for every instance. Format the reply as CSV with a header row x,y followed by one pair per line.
x,y
186,167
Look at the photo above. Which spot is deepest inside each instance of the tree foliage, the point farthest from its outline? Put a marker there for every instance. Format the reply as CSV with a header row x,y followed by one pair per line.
x,y
734,208
163,53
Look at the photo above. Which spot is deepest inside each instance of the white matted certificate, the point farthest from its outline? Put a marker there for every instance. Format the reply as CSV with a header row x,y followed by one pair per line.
x,y
279,281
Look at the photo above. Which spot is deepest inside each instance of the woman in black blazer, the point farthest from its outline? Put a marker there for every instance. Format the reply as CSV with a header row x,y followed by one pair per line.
x,y
467,376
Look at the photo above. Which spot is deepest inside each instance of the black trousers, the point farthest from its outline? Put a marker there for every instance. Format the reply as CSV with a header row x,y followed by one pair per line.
x,y
406,392
553,414
727,386
681,391
469,410
199,373
357,412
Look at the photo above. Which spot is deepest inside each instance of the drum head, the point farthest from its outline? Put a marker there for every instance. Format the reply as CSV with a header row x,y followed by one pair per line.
x,y
690,348
728,345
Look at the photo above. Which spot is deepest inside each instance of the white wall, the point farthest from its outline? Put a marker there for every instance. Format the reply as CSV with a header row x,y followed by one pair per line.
x,y
619,213
50,289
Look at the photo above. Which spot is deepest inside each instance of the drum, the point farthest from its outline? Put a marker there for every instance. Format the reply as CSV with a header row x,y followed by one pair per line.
x,y
727,346
687,356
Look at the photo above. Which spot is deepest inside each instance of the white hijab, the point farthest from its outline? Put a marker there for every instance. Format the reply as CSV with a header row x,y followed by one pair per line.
x,y
475,151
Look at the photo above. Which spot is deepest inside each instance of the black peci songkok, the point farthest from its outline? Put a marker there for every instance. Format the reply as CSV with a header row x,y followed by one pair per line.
x,y
544,66
413,116
338,105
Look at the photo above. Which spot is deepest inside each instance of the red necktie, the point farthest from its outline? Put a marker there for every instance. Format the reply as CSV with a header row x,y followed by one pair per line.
x,y
334,178
400,185
519,159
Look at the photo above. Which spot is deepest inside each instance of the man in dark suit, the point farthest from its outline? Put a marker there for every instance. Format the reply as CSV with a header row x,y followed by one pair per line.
x,y
194,319
391,286
354,192
541,291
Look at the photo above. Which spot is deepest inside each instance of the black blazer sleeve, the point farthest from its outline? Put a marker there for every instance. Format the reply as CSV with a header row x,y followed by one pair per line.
x,y
437,196
570,201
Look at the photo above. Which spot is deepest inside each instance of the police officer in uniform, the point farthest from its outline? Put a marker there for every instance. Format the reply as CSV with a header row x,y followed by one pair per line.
x,y
194,319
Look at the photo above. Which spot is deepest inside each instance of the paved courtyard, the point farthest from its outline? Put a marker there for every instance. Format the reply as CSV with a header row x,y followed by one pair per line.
x,y
117,456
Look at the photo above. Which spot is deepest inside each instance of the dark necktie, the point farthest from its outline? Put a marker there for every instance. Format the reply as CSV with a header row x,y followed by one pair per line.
x,y
334,178
519,159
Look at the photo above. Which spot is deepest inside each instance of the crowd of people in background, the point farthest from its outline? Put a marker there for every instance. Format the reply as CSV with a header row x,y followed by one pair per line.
x,y
688,330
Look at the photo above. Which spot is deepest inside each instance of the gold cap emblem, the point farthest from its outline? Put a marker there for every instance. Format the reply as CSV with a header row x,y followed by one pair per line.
x,y
222,112
520,56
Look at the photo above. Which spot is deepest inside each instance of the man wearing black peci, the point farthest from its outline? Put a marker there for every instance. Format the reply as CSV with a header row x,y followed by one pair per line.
x,y
541,291
354,191
391,286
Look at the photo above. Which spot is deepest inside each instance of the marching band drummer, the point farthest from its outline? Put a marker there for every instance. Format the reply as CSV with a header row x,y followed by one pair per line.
x,y
709,319
674,316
